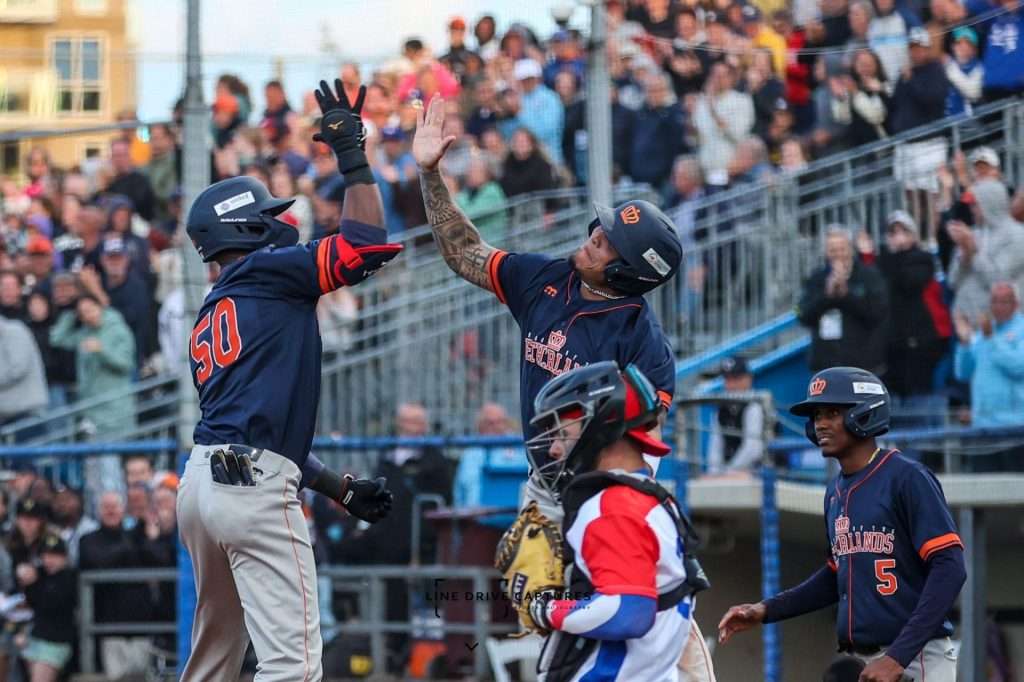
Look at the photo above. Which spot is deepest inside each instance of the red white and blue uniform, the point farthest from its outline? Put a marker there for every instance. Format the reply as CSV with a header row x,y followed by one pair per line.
x,y
628,547
562,330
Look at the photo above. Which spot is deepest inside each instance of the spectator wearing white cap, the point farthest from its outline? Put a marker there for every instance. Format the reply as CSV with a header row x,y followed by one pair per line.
x,y
914,345
920,94
542,112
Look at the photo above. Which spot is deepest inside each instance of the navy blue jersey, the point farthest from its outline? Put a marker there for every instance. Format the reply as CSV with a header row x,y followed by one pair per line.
x,y
883,524
255,349
562,330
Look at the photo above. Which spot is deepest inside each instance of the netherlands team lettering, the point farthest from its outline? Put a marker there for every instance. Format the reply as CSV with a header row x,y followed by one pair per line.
x,y
849,541
548,355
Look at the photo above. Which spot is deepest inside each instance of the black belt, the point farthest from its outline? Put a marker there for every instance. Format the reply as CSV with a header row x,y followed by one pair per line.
x,y
859,649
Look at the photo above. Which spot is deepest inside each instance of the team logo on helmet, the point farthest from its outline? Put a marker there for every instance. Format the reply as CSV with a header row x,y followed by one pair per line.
x,y
556,340
630,215
818,386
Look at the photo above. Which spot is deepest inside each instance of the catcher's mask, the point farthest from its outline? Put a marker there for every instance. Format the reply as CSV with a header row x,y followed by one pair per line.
x,y
582,411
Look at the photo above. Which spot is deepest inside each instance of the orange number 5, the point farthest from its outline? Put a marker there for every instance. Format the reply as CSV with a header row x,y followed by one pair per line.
x,y
888,584
226,341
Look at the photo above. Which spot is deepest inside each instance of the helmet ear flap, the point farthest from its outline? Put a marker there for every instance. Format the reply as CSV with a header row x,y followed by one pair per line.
x,y
809,431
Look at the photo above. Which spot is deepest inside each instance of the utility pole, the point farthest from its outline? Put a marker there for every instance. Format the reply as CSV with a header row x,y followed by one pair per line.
x,y
599,110
195,178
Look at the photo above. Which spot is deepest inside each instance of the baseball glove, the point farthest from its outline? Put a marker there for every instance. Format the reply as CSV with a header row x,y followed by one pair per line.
x,y
531,558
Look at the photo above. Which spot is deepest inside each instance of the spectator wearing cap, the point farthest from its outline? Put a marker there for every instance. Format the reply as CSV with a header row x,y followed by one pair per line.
x,y
40,263
656,133
459,59
1004,53
833,107
566,57
915,344
22,374
119,224
722,117
985,165
30,526
105,360
131,182
920,94
763,36
843,303
483,201
965,72
991,251
51,590
737,433
542,111
128,294
888,36
164,167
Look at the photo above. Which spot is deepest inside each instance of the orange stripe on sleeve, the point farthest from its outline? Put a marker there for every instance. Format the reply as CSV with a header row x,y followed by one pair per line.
x,y
492,270
832,565
939,543
322,256
665,398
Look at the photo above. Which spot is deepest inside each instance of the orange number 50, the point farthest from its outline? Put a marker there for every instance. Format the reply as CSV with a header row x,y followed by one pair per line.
x,y
887,584
225,343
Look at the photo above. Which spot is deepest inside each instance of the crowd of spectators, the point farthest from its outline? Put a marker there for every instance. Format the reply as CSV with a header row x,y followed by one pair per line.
x,y
47,534
706,95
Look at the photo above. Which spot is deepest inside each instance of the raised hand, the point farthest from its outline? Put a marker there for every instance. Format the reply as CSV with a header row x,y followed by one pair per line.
x,y
430,143
341,128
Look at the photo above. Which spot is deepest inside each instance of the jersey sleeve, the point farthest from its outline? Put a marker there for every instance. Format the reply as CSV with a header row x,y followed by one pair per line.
x,y
929,520
650,351
321,266
517,277
621,552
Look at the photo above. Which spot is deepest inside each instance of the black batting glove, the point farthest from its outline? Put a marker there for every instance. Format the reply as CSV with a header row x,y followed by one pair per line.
x,y
365,499
341,127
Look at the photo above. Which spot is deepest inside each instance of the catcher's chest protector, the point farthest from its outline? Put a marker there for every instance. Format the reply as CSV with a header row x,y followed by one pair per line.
x,y
568,652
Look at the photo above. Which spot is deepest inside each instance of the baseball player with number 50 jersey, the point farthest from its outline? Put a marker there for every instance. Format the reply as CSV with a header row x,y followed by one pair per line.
x,y
895,560
255,355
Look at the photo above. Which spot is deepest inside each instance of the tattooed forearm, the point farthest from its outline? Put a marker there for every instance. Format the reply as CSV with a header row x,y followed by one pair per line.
x,y
456,236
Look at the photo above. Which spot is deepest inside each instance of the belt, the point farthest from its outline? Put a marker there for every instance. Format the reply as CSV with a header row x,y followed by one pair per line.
x,y
859,649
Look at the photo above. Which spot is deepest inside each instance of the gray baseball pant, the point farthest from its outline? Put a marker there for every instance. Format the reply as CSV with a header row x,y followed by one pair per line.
x,y
254,573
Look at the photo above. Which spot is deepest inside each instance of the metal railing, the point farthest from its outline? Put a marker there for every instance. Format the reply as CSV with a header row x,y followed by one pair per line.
x,y
89,629
423,334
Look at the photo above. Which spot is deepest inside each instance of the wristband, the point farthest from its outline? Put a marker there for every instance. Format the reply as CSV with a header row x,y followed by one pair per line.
x,y
331,484
360,176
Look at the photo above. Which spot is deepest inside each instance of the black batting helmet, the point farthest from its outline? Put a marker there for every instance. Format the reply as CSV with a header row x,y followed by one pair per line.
x,y
860,390
238,214
648,245
606,403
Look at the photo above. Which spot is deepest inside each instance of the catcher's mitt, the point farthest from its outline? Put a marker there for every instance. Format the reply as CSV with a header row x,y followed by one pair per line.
x,y
531,557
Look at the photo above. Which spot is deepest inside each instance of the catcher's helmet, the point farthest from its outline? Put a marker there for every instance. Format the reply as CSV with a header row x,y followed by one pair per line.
x,y
648,245
238,214
606,403
860,390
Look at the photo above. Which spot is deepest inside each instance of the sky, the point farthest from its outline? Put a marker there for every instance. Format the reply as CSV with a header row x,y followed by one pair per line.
x,y
248,37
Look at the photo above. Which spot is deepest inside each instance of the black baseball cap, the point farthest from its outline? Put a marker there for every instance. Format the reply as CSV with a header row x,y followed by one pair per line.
x,y
54,544
735,366
29,507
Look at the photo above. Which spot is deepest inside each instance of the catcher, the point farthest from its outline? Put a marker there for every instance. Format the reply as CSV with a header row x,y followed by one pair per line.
x,y
626,601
